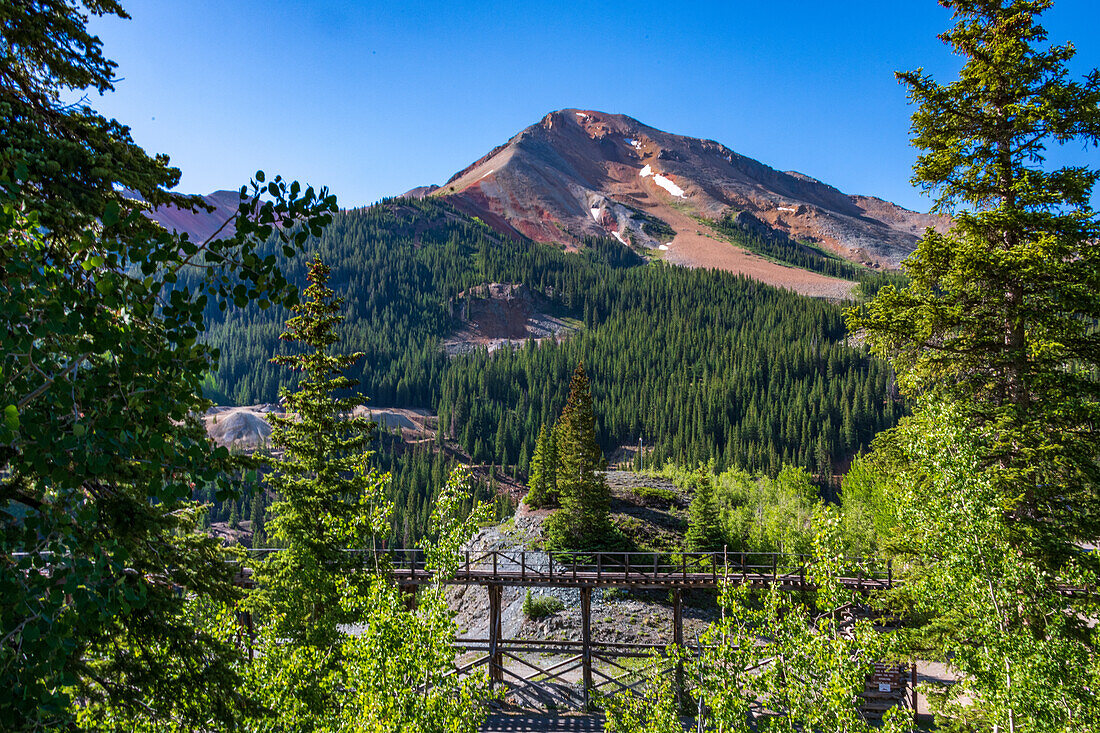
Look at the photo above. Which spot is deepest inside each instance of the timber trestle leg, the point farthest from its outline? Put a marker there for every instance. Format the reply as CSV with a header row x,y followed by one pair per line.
x,y
496,656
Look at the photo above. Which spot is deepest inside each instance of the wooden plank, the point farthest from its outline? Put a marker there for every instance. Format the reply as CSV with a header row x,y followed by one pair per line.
x,y
678,637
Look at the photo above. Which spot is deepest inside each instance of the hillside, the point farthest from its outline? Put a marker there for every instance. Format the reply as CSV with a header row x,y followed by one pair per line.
x,y
699,364
198,224
580,173
474,321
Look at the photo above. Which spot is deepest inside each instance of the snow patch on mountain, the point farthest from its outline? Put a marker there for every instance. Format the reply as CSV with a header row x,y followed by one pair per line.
x,y
668,185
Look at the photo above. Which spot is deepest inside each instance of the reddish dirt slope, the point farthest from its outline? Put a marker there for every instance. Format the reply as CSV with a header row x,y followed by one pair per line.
x,y
582,172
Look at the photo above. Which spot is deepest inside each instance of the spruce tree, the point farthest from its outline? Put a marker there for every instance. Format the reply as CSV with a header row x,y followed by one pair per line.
x,y
704,532
583,522
257,519
999,317
330,498
995,476
104,355
542,488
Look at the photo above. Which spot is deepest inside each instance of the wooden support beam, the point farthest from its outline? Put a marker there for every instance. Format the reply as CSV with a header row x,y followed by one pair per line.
x,y
913,692
408,592
678,638
496,657
586,643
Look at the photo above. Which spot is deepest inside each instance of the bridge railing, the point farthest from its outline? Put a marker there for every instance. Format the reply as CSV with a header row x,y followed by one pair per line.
x,y
684,568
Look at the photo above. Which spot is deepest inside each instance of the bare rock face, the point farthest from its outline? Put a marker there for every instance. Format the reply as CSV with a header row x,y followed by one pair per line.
x,y
502,314
580,173
420,192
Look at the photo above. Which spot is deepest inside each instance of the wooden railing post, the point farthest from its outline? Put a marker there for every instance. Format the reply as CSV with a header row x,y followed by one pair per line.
x,y
913,689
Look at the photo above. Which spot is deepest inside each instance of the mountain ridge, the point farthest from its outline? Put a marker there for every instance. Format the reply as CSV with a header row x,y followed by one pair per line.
x,y
579,173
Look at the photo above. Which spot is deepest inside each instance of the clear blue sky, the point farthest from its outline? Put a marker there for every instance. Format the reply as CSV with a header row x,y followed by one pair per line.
x,y
373,98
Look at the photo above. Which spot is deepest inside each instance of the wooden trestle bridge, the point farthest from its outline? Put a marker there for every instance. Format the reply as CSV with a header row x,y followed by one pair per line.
x,y
603,667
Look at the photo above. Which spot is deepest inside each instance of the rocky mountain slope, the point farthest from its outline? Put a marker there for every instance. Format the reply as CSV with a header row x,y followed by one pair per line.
x,y
583,172
199,224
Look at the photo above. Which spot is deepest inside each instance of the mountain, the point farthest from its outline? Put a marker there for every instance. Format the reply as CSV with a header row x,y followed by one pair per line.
x,y
581,173
579,177
199,224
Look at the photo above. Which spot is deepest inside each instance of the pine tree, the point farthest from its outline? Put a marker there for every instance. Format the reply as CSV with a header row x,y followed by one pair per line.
x,y
104,357
257,519
331,499
704,532
583,522
542,488
996,482
999,318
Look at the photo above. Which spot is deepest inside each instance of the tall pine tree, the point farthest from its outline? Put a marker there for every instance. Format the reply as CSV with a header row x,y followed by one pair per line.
x,y
996,478
999,317
583,522
331,499
704,532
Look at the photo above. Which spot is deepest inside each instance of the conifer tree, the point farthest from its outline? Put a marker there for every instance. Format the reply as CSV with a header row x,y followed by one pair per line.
x,y
542,488
704,532
104,356
583,522
257,519
995,476
331,499
999,318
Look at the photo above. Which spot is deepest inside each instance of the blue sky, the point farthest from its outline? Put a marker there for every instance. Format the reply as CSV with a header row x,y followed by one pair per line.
x,y
372,98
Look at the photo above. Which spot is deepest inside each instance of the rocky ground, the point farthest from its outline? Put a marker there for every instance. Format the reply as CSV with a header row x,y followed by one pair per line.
x,y
246,427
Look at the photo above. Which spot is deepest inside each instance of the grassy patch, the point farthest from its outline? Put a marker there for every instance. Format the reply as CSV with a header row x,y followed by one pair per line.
x,y
653,496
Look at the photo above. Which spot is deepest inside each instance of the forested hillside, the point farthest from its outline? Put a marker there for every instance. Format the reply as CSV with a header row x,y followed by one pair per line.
x,y
697,364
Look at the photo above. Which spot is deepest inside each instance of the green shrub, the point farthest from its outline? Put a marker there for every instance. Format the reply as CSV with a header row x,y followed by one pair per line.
x,y
536,607
615,594
653,496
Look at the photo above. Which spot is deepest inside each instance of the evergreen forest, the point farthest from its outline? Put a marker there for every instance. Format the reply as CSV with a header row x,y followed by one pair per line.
x,y
960,407
697,365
